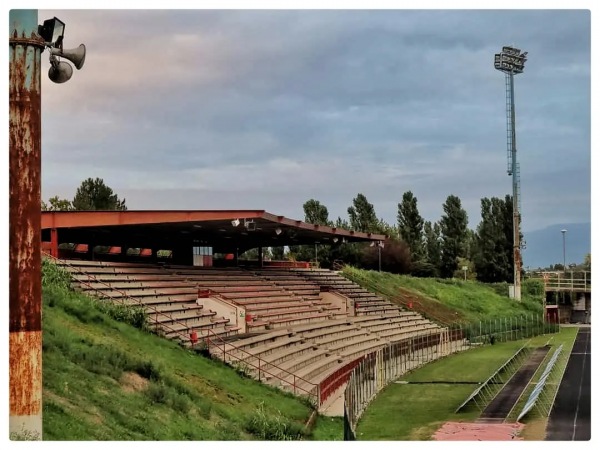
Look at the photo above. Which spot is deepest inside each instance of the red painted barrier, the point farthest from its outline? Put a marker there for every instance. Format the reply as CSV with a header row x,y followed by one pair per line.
x,y
338,378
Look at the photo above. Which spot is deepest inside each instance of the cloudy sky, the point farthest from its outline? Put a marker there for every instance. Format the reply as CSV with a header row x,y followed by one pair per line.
x,y
265,109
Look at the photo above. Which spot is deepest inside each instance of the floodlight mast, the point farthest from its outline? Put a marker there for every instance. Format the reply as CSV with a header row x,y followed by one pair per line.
x,y
511,61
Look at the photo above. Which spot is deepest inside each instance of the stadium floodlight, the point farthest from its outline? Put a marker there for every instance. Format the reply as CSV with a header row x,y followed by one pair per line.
x,y
277,231
53,32
235,222
511,61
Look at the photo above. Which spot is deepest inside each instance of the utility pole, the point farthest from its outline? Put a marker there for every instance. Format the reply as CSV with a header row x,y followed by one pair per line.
x,y
25,298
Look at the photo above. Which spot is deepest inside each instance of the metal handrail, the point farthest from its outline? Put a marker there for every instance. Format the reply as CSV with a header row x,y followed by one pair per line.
x,y
423,310
124,295
207,331
295,377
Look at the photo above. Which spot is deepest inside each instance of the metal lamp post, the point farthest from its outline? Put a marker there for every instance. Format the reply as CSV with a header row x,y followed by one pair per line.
x,y
564,232
379,245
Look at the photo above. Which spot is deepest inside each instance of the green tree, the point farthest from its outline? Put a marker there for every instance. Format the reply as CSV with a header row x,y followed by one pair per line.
x,y
341,223
278,253
490,256
453,227
432,251
587,262
252,254
59,204
362,215
94,195
410,225
316,213
471,273
395,257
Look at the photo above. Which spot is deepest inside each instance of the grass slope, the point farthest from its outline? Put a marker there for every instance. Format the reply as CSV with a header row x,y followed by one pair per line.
x,y
106,380
450,298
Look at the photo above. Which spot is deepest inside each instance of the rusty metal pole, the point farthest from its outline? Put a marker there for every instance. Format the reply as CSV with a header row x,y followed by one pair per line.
x,y
25,312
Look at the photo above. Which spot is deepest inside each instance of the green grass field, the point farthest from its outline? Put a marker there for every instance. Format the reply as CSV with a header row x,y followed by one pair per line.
x,y
416,411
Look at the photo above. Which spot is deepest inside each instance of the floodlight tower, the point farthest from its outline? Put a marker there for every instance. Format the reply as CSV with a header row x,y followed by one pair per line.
x,y
511,61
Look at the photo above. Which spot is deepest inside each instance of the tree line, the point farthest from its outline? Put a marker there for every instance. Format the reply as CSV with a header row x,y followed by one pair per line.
x,y
416,246
413,245
92,195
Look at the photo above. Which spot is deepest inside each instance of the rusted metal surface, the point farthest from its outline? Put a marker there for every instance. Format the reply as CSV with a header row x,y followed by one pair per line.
x,y
25,367
54,242
25,374
68,219
25,186
74,219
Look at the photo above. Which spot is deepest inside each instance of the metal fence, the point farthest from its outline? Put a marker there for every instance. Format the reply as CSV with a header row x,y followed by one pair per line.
x,y
378,369
539,388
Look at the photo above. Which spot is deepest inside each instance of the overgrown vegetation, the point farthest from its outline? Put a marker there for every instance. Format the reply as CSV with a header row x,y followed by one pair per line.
x,y
465,301
272,427
106,380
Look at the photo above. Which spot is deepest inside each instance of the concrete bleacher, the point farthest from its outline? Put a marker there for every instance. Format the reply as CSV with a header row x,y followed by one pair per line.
x,y
303,356
170,293
293,334
365,302
169,299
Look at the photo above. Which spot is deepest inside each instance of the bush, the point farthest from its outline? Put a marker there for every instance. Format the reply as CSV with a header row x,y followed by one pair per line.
x,y
227,432
102,360
157,393
277,428
533,288
133,315
53,275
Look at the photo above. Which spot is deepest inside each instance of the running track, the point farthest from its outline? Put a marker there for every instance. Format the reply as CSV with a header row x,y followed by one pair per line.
x,y
570,418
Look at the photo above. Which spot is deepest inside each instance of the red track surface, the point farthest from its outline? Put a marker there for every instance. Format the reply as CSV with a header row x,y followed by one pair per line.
x,y
457,431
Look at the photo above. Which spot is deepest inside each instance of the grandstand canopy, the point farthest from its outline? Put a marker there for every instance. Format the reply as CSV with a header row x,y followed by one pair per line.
x,y
224,230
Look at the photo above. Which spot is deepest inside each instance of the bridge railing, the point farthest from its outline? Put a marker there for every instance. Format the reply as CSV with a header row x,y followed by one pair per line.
x,y
566,281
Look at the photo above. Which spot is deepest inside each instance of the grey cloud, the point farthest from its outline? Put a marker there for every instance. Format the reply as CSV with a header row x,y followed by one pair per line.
x,y
222,106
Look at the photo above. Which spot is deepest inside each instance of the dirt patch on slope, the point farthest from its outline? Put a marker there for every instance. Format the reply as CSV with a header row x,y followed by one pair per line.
x,y
132,382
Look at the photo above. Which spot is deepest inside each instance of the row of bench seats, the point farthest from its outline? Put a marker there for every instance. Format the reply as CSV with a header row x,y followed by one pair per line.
x,y
305,355
169,294
365,302
169,298
306,339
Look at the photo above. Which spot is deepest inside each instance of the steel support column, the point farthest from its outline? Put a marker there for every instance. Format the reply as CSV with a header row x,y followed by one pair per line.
x,y
515,189
54,242
25,313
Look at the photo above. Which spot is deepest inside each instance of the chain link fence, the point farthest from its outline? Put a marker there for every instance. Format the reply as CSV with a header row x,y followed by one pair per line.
x,y
379,368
